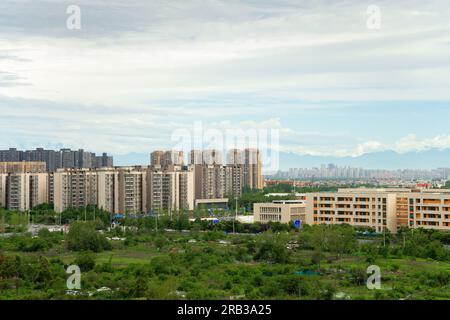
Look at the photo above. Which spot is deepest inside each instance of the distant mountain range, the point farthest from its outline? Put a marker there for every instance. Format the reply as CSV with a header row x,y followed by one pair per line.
x,y
390,160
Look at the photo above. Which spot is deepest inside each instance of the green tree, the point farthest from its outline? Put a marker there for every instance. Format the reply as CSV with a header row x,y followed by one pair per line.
x,y
85,260
82,236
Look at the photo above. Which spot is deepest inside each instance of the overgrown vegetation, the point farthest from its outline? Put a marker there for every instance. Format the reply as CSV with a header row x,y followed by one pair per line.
x,y
204,260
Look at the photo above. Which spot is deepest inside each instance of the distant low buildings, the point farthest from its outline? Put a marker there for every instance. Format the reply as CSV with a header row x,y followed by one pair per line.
x,y
332,171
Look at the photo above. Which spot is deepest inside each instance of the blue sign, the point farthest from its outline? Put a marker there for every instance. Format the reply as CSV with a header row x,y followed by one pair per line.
x,y
298,224
216,221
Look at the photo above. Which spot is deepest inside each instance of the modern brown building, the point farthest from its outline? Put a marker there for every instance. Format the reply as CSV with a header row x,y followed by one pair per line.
x,y
381,209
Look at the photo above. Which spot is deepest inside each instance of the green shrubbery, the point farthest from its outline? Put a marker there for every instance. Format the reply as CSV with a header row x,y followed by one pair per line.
x,y
83,236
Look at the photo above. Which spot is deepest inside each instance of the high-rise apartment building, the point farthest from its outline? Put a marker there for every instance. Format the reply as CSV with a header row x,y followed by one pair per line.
x,y
22,167
173,157
156,158
214,181
23,191
210,181
212,157
132,193
171,189
65,158
103,161
108,190
234,180
3,178
253,178
196,157
235,157
75,188
161,158
23,185
166,185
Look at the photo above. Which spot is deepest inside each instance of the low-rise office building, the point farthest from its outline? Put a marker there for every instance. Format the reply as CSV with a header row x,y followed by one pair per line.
x,y
381,209
368,208
283,211
428,209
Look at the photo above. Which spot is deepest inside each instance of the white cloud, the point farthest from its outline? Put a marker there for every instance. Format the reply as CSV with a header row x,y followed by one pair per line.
x,y
138,70
195,49
412,143
409,143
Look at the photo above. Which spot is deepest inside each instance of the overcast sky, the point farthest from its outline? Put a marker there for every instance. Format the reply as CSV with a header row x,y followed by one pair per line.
x,y
139,69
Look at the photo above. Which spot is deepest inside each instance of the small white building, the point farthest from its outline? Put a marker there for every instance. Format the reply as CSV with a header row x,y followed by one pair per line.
x,y
283,211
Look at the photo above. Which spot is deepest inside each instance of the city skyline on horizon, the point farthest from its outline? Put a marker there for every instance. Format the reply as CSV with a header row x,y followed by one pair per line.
x,y
223,157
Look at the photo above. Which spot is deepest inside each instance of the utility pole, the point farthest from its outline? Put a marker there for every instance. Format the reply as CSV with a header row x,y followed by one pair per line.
x,y
85,213
236,212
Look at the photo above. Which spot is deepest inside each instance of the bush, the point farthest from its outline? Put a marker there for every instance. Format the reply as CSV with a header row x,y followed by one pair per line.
x,y
271,251
82,236
32,245
85,260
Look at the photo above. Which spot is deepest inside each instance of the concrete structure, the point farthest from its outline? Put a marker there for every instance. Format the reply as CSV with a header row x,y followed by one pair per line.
x,y
64,158
298,196
235,157
165,185
196,157
161,158
212,157
428,209
156,158
382,209
171,189
108,189
280,211
74,188
209,181
131,191
22,167
173,157
23,191
253,178
211,203
234,180
369,208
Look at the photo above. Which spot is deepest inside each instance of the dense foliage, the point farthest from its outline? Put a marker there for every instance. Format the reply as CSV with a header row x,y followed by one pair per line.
x,y
83,236
171,257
